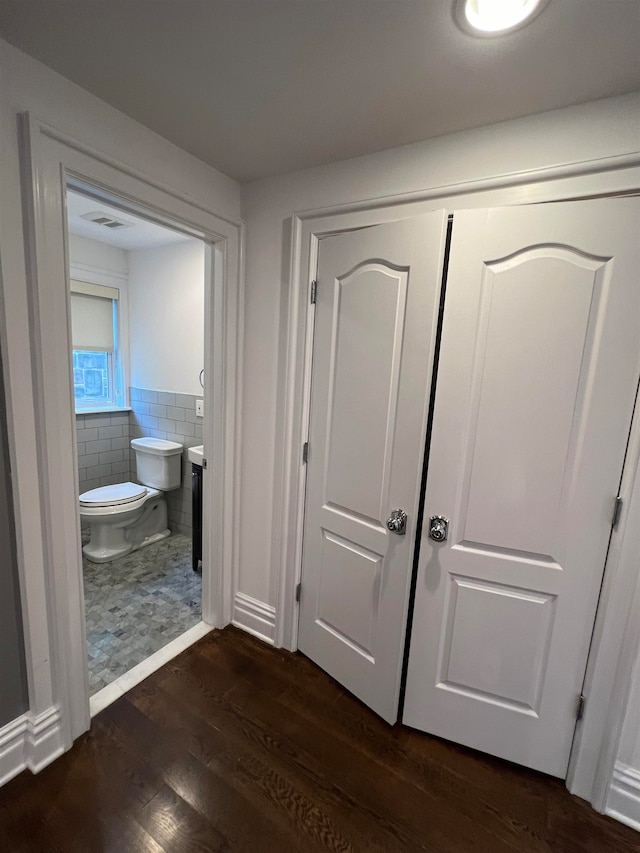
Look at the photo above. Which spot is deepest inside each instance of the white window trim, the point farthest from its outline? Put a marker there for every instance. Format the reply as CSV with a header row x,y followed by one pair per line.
x,y
120,282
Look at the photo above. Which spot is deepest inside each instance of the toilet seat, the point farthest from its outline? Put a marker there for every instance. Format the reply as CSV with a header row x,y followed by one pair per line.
x,y
118,494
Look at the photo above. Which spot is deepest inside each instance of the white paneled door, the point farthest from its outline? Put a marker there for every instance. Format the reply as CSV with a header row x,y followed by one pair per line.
x,y
375,321
536,382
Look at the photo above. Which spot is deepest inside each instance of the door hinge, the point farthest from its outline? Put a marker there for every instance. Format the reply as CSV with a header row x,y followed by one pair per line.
x,y
298,591
305,453
580,708
314,288
617,510
204,463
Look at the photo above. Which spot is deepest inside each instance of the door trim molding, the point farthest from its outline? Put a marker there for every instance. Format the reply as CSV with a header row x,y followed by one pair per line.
x,y
53,606
593,755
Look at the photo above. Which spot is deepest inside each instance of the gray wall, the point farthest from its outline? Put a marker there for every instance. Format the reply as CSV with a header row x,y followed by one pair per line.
x,y
105,457
13,680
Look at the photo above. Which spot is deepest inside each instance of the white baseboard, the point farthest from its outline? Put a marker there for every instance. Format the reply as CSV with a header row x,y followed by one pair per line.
x,y
30,742
12,748
255,617
44,739
623,802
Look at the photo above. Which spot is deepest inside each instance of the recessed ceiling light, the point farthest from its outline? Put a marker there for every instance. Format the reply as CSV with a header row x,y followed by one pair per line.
x,y
495,17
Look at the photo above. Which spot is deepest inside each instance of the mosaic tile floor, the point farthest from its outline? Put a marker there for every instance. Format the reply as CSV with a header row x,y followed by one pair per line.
x,y
137,604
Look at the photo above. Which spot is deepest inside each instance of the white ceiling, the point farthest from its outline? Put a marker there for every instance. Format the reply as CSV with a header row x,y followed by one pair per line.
x,y
140,234
262,87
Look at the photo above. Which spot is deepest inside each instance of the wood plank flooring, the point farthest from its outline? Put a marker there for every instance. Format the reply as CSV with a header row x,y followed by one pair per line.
x,y
235,746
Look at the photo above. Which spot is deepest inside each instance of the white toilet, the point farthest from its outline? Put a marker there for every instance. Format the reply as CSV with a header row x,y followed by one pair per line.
x,y
128,516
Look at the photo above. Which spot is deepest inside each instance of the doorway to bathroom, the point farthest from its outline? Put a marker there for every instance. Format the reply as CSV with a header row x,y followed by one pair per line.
x,y
52,163
137,303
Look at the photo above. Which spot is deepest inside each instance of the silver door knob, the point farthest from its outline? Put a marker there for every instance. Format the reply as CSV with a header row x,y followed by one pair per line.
x,y
438,528
397,521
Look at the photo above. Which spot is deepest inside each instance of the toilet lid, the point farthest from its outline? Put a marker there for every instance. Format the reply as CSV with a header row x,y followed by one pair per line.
x,y
120,493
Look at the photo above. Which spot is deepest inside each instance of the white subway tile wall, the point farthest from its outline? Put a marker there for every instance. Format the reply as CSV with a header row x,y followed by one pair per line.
x,y
105,456
103,449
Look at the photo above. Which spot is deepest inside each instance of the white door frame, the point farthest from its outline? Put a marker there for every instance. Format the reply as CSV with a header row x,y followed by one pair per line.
x,y
616,643
55,641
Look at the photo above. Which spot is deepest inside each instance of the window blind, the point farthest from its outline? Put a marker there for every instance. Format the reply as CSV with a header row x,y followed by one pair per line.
x,y
92,316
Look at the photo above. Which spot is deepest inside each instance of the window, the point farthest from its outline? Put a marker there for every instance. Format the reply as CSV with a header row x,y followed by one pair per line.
x,y
96,368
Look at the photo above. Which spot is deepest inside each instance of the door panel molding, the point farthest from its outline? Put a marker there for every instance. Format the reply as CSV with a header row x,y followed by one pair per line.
x,y
343,437
534,650
499,458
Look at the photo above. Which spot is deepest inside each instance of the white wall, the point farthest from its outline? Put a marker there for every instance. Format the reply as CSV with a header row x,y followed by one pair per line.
x,y
93,253
27,85
166,317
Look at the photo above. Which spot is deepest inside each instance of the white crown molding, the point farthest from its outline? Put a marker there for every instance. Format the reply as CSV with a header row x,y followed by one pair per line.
x,y
624,796
30,742
255,617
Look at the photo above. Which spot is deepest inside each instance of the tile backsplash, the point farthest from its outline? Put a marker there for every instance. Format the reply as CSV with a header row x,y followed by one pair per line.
x,y
103,449
105,456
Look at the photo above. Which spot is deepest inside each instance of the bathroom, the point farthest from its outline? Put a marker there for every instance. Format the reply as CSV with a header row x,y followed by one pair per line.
x,y
137,310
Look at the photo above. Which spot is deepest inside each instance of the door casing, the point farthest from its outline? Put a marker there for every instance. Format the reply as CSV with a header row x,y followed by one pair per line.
x,y
54,615
614,646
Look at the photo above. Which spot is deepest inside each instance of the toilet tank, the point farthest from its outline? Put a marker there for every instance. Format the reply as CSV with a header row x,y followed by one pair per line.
x,y
158,462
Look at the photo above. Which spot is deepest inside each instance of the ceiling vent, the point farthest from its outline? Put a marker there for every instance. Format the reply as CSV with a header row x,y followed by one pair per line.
x,y
107,221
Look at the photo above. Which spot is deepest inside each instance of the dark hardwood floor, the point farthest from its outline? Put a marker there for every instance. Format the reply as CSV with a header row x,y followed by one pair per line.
x,y
237,746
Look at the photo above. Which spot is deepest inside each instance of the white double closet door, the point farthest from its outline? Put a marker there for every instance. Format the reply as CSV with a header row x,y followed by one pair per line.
x,y
536,380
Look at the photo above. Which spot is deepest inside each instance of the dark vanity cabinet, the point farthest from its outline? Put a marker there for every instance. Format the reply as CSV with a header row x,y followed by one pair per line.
x,y
196,485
